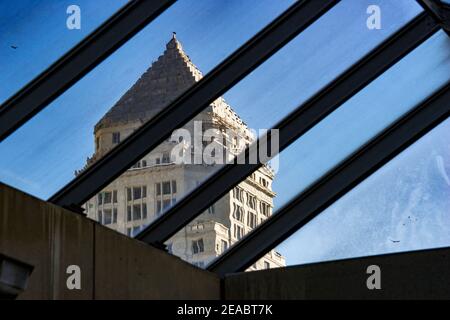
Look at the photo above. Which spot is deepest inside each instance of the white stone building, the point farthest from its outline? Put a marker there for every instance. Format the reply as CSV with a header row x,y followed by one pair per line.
x,y
156,182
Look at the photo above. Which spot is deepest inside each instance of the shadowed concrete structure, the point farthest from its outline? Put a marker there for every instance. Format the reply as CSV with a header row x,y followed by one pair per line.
x,y
413,275
114,266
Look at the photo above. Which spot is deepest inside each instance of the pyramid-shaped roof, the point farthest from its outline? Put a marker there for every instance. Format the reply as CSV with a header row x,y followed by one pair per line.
x,y
169,76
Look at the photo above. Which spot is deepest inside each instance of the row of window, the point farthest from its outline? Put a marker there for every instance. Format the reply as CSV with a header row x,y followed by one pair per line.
x,y
161,160
239,194
166,188
107,216
107,197
136,193
239,214
262,181
137,212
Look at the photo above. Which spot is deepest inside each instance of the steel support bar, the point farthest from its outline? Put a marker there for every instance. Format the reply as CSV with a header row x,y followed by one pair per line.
x,y
438,10
294,125
297,18
336,183
77,62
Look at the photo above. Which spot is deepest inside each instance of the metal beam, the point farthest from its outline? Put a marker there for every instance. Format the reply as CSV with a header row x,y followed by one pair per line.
x,y
78,62
295,125
439,11
273,37
335,184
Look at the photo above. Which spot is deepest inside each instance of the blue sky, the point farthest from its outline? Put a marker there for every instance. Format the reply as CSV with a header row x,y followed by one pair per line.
x,y
42,156
38,29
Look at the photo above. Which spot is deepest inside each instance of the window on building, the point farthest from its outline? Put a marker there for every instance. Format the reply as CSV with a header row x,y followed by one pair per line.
x,y
264,208
129,213
166,158
158,188
116,137
115,196
166,187
100,216
174,200
137,193
100,198
144,211
212,209
197,246
129,197
97,143
251,201
223,245
252,220
158,206
238,232
169,248
144,163
238,194
238,212
174,186
166,204
114,215
129,232
107,216
107,197
136,212
158,161
266,265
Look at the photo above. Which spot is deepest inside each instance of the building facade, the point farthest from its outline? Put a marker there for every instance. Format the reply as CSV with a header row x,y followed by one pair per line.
x,y
157,181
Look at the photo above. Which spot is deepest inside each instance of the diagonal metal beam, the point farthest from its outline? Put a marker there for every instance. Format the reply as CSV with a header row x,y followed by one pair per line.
x,y
78,62
335,184
273,37
438,10
295,125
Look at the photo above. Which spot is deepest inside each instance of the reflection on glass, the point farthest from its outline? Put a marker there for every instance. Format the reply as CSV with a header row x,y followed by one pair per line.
x,y
59,139
404,206
119,96
340,134
34,34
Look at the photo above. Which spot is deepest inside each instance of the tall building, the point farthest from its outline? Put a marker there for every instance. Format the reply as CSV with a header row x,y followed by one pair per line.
x,y
157,181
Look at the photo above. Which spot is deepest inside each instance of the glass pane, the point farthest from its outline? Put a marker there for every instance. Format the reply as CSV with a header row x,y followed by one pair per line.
x,y
60,139
300,70
404,206
336,137
35,33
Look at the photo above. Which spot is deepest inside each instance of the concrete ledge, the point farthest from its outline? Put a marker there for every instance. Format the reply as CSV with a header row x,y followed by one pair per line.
x,y
112,266
126,268
413,275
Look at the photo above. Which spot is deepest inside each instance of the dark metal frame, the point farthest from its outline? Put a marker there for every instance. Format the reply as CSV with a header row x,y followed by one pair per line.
x,y
273,37
294,125
438,10
138,13
335,184
76,63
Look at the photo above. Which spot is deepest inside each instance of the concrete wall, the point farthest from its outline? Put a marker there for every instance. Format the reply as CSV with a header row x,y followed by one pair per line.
x,y
113,266
414,275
